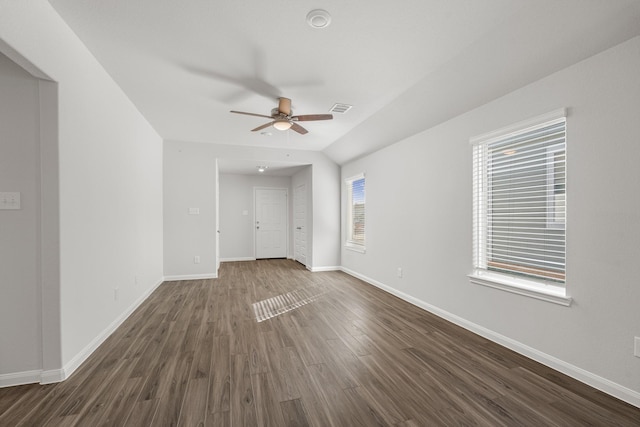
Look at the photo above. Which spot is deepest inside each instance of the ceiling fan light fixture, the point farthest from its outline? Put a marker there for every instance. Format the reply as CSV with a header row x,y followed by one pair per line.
x,y
282,124
282,118
318,18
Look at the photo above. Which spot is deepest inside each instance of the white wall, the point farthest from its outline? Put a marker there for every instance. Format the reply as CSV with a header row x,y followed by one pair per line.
x,y
419,218
236,199
20,339
183,175
189,182
110,185
325,216
300,178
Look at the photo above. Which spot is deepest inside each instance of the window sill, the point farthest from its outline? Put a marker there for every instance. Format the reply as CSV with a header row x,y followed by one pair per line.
x,y
356,248
528,288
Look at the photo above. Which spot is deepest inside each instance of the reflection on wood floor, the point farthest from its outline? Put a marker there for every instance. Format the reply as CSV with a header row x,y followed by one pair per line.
x,y
280,304
270,344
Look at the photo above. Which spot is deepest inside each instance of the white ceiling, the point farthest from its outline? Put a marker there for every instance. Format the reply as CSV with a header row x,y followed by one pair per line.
x,y
250,167
405,65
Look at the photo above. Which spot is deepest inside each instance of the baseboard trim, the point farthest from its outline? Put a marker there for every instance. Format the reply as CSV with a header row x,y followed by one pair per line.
x,y
191,277
237,259
57,375
621,392
327,268
20,378
53,376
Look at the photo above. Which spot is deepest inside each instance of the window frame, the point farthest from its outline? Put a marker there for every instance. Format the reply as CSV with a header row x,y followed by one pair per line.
x,y
528,286
551,193
357,245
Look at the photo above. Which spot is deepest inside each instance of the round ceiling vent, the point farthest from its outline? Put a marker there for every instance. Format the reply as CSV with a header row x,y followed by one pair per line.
x,y
318,18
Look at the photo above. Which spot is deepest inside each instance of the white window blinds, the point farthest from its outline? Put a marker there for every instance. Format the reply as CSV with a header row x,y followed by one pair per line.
x,y
519,201
356,210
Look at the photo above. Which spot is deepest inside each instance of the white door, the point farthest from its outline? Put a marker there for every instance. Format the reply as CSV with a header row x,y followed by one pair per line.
x,y
300,224
271,223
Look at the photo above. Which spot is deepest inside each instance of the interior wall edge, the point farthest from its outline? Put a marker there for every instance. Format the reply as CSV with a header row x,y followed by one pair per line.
x,y
58,375
13,54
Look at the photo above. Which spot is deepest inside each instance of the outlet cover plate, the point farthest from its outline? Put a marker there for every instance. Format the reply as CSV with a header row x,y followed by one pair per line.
x,y
9,200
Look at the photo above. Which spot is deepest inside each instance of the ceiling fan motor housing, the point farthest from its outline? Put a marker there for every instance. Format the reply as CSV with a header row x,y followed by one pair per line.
x,y
275,112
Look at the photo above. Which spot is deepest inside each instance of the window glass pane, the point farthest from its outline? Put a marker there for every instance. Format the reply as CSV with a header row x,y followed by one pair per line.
x,y
356,210
357,218
519,203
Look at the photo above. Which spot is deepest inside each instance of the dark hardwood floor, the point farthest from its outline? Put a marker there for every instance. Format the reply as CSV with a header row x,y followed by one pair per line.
x,y
270,344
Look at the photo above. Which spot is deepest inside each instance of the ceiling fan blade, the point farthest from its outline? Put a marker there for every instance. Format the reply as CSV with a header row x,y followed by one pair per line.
x,y
266,125
312,117
284,106
299,128
253,84
251,114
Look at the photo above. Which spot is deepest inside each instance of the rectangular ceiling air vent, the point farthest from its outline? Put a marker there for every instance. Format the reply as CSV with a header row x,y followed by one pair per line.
x,y
340,108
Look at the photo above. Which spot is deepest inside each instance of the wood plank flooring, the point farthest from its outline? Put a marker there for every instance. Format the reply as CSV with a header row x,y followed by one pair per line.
x,y
270,344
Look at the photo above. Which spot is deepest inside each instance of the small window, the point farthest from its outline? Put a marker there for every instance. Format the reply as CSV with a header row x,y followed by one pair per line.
x,y
519,204
356,212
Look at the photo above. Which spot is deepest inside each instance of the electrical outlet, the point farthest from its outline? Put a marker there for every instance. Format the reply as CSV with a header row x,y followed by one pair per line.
x,y
399,272
636,347
10,200
196,259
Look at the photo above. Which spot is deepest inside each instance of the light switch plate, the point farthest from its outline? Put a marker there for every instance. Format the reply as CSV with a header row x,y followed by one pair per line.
x,y
10,200
194,211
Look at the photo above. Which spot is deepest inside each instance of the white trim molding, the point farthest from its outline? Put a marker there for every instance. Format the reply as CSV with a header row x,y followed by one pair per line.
x,y
20,378
246,258
628,395
327,268
518,127
537,290
53,376
355,248
191,277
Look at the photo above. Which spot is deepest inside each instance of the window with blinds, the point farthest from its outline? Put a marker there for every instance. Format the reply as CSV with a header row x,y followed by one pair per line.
x,y
356,211
519,201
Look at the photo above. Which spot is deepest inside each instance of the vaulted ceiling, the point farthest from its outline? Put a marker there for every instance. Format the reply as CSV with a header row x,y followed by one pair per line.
x,y
405,66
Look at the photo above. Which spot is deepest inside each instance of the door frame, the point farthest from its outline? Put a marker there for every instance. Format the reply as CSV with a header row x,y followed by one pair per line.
x,y
217,169
293,222
286,218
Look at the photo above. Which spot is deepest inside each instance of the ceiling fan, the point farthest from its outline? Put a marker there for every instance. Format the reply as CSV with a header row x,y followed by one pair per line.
x,y
282,119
